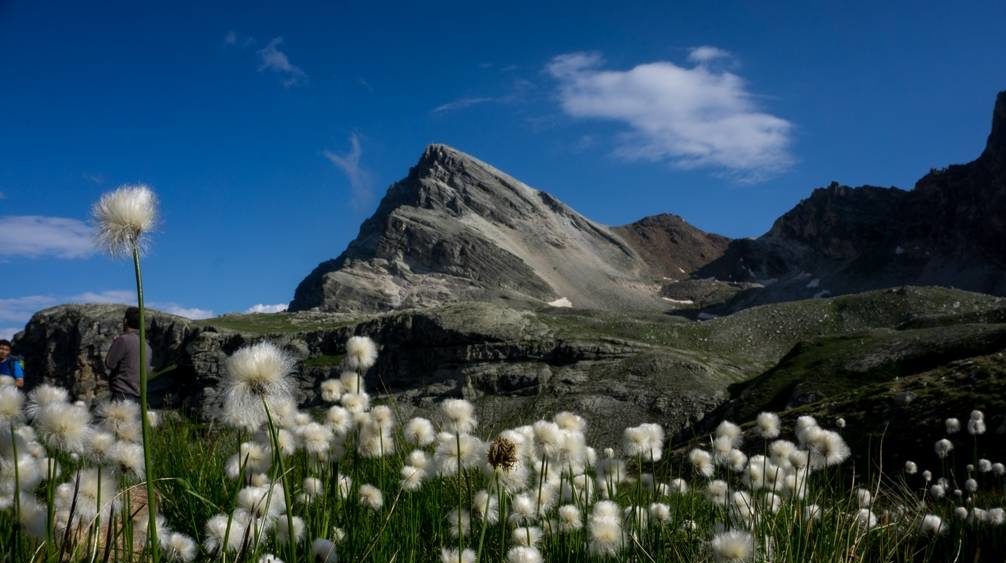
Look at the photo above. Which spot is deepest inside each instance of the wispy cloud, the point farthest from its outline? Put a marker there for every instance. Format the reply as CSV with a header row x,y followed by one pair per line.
x,y
19,310
96,179
271,58
262,308
707,53
36,236
461,103
693,117
234,39
350,163
517,90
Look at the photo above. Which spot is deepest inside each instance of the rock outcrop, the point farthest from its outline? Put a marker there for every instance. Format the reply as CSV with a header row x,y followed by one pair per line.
x,y
514,363
458,229
950,230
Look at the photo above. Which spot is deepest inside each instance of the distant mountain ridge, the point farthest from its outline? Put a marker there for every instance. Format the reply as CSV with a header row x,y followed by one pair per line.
x,y
457,228
950,230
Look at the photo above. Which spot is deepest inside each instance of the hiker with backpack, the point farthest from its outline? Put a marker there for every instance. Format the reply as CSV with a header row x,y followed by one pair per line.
x,y
10,365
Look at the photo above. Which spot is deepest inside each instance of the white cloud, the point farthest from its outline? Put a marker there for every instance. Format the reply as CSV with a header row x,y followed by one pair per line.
x,y
706,53
273,59
461,103
19,310
112,296
194,313
695,117
262,308
349,163
35,236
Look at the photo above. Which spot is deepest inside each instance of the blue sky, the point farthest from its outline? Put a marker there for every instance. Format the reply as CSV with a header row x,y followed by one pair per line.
x,y
271,130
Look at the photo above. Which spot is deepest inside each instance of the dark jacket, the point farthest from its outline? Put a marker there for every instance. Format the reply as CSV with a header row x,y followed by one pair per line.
x,y
123,363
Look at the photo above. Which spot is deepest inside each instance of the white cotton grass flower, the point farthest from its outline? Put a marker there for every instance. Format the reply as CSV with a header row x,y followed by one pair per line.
x,y
645,440
943,447
953,425
313,488
323,551
570,519
219,538
459,416
269,558
459,523
863,498
812,512
283,534
419,431
865,518
11,405
412,478
733,546
971,485
361,353
452,555
370,496
605,529
570,421
932,525
984,465
129,458
255,374
702,462
123,217
911,468
976,426
997,516
176,546
961,513
331,390
927,475
64,427
827,448
998,469
727,429
768,425
43,395
355,403
548,439
485,507
660,513
522,554
716,492
339,419
526,536
938,491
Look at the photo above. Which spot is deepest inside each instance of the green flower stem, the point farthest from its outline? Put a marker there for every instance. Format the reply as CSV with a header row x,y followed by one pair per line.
x,y
148,465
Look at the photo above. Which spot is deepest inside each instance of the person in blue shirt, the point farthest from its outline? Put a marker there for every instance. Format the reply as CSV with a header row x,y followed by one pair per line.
x,y
11,365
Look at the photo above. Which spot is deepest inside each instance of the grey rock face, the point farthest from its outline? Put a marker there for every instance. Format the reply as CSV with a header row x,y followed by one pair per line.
x,y
458,229
508,361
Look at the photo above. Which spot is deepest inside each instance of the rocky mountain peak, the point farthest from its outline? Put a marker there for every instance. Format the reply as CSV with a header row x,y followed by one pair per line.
x,y
456,228
996,146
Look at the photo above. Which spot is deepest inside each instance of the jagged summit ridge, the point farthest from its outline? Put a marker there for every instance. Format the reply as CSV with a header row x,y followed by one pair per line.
x,y
949,230
457,228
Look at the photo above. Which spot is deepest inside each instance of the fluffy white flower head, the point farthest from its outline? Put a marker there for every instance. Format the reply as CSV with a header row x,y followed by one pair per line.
x,y
255,373
123,217
733,545
361,353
